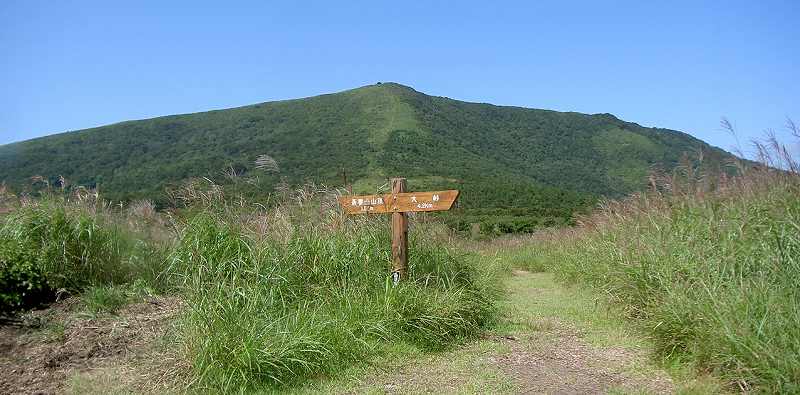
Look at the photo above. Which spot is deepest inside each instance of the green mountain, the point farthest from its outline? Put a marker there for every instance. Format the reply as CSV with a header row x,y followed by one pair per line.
x,y
518,168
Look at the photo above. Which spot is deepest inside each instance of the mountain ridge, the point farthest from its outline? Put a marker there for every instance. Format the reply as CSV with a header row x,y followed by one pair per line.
x,y
532,162
390,83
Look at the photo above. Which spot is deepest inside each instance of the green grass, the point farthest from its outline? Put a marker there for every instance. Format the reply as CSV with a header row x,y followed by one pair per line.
x,y
297,297
407,370
104,299
274,296
107,299
530,259
105,385
280,295
536,308
54,245
712,276
270,309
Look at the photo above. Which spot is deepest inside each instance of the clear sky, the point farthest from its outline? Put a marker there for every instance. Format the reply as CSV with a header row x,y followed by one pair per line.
x,y
67,65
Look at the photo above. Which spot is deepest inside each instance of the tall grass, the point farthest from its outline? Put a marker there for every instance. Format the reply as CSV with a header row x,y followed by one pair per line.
x,y
273,295
282,294
710,266
54,245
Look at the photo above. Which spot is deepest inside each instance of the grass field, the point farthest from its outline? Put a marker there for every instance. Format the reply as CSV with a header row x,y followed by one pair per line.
x,y
690,287
274,296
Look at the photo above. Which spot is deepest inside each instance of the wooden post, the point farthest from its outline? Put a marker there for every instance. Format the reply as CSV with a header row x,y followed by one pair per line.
x,y
348,187
399,233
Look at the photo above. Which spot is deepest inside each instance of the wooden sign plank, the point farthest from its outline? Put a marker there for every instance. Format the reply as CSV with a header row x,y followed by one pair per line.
x,y
366,204
399,202
424,201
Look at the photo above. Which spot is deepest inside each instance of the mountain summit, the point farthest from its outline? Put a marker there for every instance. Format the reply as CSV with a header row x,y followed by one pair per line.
x,y
504,157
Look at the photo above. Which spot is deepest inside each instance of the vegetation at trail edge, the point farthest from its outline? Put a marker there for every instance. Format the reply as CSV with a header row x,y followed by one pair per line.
x,y
709,267
519,169
283,294
274,295
54,245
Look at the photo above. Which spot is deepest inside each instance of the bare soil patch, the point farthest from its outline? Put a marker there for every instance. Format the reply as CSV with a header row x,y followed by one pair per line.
x,y
52,345
554,361
558,361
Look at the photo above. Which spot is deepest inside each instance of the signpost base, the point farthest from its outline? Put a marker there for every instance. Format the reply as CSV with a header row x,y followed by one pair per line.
x,y
399,234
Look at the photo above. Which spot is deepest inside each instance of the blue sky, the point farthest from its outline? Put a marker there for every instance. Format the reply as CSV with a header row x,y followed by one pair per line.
x,y
682,65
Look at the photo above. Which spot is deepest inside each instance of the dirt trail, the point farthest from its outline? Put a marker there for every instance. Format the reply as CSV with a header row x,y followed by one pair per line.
x,y
554,356
545,345
551,339
561,362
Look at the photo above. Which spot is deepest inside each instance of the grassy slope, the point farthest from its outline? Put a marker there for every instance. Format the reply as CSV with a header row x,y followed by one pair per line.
x,y
543,164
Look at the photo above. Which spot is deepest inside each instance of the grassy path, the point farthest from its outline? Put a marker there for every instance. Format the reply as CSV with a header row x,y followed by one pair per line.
x,y
552,339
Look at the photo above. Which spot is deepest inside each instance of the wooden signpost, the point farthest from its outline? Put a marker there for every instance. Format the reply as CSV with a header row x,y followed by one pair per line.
x,y
398,203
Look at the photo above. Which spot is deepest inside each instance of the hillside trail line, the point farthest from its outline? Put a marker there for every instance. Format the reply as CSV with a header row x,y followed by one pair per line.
x,y
388,113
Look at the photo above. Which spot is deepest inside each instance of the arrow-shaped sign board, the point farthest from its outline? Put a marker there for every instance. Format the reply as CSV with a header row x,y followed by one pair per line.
x,y
399,202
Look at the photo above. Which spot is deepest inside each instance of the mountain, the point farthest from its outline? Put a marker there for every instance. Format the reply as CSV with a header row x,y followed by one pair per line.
x,y
518,167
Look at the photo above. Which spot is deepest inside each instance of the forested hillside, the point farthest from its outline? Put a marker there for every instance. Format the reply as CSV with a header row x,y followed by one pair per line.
x,y
518,168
